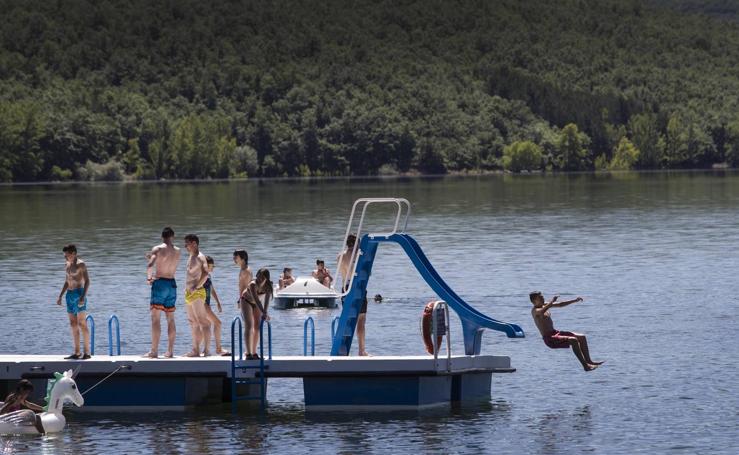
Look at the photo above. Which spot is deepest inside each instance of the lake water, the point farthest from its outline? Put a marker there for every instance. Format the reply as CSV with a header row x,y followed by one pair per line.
x,y
654,256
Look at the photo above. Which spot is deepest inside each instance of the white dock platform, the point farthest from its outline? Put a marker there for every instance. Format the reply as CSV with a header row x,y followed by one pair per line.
x,y
328,381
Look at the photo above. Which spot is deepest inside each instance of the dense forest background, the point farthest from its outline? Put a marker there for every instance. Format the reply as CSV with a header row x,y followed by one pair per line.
x,y
106,90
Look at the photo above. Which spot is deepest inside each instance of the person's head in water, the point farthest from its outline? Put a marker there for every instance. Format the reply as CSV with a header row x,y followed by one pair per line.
x,y
241,258
70,252
378,298
211,263
264,285
536,298
167,234
351,240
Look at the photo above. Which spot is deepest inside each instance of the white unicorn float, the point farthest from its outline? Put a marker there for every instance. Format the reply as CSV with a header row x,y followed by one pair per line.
x,y
52,420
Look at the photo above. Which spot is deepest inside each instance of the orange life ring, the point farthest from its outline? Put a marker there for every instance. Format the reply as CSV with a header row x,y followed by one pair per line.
x,y
426,322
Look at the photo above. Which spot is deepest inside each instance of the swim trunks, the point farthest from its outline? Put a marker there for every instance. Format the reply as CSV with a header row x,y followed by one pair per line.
x,y
164,294
559,340
73,301
362,310
207,285
197,294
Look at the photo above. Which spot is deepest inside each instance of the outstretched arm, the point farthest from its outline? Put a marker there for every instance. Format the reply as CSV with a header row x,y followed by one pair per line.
x,y
33,406
565,303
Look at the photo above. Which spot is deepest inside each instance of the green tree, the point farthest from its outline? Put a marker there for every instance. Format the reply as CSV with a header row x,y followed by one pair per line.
x,y
732,143
625,156
646,137
572,151
522,156
21,130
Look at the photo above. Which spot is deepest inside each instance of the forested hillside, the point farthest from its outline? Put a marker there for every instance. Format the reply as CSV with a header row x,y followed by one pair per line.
x,y
198,88
728,9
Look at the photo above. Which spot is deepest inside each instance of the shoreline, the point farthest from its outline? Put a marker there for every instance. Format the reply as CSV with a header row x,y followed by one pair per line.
x,y
407,176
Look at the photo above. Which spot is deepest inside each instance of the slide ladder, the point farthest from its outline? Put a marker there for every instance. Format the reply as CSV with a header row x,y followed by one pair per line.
x,y
473,321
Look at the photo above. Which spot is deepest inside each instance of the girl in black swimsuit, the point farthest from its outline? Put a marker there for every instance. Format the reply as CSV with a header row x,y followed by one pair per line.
x,y
254,308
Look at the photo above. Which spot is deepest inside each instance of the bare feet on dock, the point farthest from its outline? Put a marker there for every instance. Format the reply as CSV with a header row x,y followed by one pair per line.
x,y
168,355
206,354
365,354
150,355
192,354
591,367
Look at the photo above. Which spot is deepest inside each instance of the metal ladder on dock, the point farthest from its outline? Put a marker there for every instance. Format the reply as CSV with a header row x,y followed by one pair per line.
x,y
246,372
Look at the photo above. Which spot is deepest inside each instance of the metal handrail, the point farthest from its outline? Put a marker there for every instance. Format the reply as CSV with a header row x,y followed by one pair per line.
x,y
233,359
434,331
233,340
400,202
91,326
333,327
312,337
261,340
113,317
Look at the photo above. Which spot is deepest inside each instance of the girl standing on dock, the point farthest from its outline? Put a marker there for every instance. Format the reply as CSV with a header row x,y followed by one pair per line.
x,y
210,291
254,305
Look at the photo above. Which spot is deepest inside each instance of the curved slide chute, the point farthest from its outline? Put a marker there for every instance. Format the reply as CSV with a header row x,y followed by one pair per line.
x,y
473,321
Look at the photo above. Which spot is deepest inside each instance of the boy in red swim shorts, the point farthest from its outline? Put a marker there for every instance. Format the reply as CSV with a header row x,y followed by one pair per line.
x,y
556,339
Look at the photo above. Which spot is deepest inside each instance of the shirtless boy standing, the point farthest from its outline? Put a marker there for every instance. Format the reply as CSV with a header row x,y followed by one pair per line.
x,y
556,339
164,257
197,274
344,261
76,285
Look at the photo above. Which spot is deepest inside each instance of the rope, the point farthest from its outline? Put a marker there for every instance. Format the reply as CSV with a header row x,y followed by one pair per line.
x,y
120,367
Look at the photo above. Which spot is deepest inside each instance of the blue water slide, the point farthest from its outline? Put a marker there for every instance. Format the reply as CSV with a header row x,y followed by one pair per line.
x,y
473,321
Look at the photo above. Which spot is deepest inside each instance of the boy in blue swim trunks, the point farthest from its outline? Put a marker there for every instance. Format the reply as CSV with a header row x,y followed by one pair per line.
x,y
76,285
164,257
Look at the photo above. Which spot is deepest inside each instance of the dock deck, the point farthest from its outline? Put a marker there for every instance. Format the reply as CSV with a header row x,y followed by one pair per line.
x,y
143,383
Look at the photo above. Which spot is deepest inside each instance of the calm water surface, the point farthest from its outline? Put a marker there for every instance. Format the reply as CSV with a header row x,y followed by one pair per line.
x,y
652,254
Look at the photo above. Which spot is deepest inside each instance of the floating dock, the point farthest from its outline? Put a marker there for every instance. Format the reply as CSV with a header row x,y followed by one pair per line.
x,y
329,382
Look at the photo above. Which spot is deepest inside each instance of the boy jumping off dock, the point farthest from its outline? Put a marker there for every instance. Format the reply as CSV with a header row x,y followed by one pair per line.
x,y
556,339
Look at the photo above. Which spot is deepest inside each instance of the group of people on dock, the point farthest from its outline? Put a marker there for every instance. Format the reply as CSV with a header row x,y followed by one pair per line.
x,y
255,293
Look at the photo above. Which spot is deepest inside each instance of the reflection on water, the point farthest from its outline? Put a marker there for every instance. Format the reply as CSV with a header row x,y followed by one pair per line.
x,y
564,429
651,253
